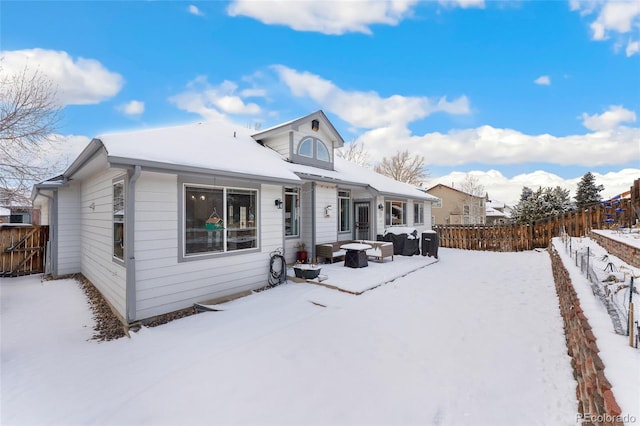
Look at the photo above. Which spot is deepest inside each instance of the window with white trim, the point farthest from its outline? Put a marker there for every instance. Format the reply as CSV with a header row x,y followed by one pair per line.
x,y
418,213
344,204
322,153
118,220
395,213
306,148
292,212
314,149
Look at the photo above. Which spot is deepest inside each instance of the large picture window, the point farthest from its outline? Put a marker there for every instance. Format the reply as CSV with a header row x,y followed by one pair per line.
x,y
395,213
344,202
292,212
118,220
219,220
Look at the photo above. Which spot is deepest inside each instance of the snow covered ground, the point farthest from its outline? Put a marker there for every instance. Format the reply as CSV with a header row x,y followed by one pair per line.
x,y
626,235
474,339
622,362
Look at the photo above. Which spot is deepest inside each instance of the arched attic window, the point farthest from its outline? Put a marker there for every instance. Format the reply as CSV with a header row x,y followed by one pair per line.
x,y
313,152
322,153
306,148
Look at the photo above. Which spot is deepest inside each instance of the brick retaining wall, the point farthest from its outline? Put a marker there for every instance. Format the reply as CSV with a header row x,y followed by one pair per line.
x,y
595,398
626,252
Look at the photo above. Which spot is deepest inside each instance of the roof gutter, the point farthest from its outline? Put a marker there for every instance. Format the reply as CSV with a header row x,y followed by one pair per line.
x,y
94,146
153,166
318,178
130,243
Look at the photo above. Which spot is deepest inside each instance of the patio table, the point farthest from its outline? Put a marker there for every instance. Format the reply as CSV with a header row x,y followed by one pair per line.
x,y
356,255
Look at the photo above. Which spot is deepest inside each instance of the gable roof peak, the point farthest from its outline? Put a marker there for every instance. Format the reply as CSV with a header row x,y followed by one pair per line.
x,y
295,124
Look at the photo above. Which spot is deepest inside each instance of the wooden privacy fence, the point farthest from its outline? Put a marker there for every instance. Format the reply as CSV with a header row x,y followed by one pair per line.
x,y
519,237
23,249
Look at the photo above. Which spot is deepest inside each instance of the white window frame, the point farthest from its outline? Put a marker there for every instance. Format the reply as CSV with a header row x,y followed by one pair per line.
x,y
294,195
344,195
388,219
418,213
118,206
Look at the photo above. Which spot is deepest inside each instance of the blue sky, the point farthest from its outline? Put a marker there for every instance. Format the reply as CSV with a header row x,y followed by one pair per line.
x,y
530,93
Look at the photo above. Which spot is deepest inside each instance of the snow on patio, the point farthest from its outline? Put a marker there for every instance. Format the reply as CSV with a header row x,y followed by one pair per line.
x,y
359,280
475,339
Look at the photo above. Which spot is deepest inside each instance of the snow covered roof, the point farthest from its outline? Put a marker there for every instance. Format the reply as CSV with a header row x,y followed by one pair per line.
x,y
351,173
223,147
491,212
441,185
214,146
293,124
495,204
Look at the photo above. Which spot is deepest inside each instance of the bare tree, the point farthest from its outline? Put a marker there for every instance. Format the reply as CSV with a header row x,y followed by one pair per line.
x,y
471,185
403,168
29,116
354,152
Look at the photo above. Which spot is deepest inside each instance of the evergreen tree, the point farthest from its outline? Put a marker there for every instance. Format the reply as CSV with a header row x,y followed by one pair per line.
x,y
543,202
521,211
588,192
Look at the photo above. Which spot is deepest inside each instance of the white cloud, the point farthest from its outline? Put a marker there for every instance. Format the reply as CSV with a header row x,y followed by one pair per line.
x,y
62,150
193,9
543,80
633,47
79,81
618,16
465,4
212,102
609,119
367,109
387,122
253,93
508,190
492,145
132,108
613,16
325,17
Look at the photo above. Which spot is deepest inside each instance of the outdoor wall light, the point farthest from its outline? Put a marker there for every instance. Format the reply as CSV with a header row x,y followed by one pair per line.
x,y
92,206
315,125
380,206
278,203
327,210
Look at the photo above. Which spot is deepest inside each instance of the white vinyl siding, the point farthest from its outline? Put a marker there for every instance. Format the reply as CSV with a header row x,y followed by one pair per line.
x,y
163,283
326,227
280,144
96,238
69,241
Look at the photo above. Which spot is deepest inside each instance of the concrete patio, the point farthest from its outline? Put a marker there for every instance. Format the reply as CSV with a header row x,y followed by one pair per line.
x,y
359,280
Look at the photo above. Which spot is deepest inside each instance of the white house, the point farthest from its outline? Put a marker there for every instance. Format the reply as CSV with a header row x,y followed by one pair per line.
x,y
160,219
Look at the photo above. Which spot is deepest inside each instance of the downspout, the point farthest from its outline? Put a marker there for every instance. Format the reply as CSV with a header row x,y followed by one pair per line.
x,y
53,234
130,243
313,220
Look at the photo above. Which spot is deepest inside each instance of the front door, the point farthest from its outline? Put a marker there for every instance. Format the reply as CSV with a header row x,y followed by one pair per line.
x,y
362,221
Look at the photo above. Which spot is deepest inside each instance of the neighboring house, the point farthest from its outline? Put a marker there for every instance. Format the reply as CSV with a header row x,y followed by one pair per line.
x,y
497,212
159,219
457,207
14,210
5,214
